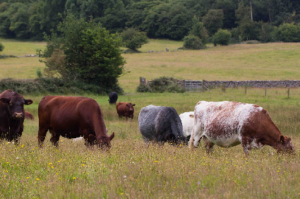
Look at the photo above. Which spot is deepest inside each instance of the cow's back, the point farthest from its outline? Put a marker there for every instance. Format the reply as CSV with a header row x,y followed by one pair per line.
x,y
146,120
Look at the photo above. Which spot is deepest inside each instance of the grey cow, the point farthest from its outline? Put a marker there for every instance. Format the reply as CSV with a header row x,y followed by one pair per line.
x,y
160,124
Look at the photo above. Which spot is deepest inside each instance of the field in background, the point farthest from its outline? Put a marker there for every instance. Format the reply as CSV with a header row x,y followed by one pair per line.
x,y
271,61
130,170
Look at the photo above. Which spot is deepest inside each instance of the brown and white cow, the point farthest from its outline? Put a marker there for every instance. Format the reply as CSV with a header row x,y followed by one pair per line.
x,y
228,124
12,115
125,109
72,117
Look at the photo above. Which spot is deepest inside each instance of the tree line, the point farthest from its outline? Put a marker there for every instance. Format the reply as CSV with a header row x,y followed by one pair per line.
x,y
170,19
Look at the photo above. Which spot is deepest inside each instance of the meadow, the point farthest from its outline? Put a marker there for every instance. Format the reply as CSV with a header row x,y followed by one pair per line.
x,y
130,169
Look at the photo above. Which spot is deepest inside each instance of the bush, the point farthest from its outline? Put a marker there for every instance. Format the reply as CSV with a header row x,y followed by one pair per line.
x,y
222,37
143,88
1,47
53,85
165,84
288,33
133,39
235,36
193,42
199,30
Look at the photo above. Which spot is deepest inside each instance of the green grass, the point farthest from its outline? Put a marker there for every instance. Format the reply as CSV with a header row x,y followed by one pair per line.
x,y
130,169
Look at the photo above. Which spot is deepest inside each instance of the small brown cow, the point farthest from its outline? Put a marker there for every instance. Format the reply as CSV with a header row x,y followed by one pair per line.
x,y
72,117
28,115
125,109
228,124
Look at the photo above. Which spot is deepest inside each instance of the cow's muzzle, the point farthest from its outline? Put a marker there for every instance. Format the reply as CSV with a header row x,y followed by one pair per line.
x,y
18,115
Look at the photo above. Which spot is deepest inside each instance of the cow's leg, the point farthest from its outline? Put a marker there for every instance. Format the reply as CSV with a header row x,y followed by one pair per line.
x,y
246,144
16,130
42,135
55,137
146,141
208,145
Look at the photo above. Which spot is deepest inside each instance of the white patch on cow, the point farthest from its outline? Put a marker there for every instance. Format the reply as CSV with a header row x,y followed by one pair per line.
x,y
187,123
229,117
77,139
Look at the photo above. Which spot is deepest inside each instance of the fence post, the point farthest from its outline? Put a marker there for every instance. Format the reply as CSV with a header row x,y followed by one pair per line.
x,y
203,85
142,80
265,91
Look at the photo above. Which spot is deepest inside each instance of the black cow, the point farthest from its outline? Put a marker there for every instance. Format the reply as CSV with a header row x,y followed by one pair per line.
x,y
12,115
160,124
113,97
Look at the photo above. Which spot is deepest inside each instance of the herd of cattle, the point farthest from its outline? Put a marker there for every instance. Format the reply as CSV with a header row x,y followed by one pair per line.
x,y
218,123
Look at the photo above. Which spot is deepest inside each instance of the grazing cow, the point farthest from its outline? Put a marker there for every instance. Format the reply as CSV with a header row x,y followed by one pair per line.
x,y
113,97
187,121
125,109
228,124
12,115
28,115
72,117
160,124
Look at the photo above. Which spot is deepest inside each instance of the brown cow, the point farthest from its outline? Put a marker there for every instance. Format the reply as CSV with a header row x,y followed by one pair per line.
x,y
12,115
228,124
125,109
72,117
28,115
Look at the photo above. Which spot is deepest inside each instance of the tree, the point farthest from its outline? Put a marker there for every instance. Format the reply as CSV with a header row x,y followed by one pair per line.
x,y
88,53
222,37
133,39
213,21
1,47
199,30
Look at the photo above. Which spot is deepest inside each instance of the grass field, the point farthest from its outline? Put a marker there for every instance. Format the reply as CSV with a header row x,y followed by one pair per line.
x,y
130,170
272,61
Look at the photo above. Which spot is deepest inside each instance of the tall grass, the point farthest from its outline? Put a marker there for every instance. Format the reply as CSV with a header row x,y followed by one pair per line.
x,y
131,170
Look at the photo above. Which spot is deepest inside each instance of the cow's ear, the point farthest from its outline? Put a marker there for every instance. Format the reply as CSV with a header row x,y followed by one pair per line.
x,y
282,139
92,139
111,136
28,101
5,100
133,104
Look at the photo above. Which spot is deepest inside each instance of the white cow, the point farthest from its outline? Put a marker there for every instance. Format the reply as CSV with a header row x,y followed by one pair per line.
x,y
231,123
187,121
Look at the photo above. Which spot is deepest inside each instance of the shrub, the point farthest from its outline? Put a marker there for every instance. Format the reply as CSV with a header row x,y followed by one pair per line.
x,y
222,37
192,42
199,30
235,36
133,39
165,84
1,47
143,88
53,85
288,33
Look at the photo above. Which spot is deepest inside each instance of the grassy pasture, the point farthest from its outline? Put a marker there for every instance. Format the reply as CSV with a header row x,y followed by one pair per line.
x,y
130,170
272,61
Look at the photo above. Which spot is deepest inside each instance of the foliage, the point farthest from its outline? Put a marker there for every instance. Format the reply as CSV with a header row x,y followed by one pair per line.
x,y
222,37
165,84
213,20
199,30
53,85
143,88
192,42
288,33
85,52
1,47
133,39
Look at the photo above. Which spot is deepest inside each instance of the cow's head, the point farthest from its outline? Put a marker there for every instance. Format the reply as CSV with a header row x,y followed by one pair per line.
x,y
130,107
285,144
103,142
15,105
